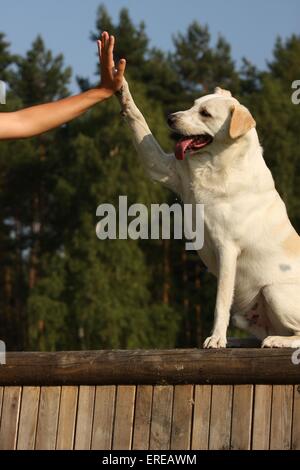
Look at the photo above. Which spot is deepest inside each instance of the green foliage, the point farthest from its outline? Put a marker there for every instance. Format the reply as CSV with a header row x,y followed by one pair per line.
x,y
202,67
132,41
46,310
278,121
6,59
40,77
63,288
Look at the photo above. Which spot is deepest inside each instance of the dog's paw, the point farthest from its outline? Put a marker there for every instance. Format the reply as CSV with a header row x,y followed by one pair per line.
x,y
124,93
281,342
215,341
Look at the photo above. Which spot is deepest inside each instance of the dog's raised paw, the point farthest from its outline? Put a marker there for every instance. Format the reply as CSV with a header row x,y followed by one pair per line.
x,y
124,90
124,96
214,342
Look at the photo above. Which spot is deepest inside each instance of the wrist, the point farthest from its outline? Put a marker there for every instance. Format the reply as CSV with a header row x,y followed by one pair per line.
x,y
101,93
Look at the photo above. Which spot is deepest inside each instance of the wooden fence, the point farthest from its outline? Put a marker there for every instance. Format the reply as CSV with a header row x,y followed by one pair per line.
x,y
171,399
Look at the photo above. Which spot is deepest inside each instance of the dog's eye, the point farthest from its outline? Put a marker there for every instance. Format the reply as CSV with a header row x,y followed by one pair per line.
x,y
205,113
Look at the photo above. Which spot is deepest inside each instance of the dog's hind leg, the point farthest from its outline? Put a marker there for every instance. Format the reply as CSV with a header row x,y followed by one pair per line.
x,y
284,313
254,320
240,321
160,166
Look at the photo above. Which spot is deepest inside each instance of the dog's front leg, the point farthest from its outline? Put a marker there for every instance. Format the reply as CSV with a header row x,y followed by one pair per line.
x,y
160,166
226,280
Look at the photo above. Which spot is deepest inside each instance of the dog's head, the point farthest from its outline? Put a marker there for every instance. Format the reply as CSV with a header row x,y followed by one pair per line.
x,y
214,119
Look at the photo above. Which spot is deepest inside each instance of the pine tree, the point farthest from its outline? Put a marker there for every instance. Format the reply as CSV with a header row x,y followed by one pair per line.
x,y
132,40
200,66
6,59
277,119
10,255
38,78
121,310
63,288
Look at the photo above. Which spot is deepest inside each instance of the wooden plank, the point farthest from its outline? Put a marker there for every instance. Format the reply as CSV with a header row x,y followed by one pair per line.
x,y
160,432
241,417
1,398
201,417
177,366
182,417
84,423
10,417
220,419
261,417
67,418
142,417
28,418
47,418
124,414
296,419
281,417
103,417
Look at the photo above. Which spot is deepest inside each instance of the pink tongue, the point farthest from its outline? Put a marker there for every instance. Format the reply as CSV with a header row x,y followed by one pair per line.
x,y
181,147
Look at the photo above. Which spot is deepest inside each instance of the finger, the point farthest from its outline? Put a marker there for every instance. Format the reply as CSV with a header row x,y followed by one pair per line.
x,y
111,44
99,44
120,69
102,43
110,52
105,40
104,37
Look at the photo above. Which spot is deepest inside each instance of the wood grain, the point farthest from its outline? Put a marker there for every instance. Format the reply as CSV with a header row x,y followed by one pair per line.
x,y
67,418
241,417
1,398
10,417
142,417
220,419
281,417
296,419
124,414
261,417
47,418
140,367
85,413
103,417
160,432
28,418
201,419
182,417
158,400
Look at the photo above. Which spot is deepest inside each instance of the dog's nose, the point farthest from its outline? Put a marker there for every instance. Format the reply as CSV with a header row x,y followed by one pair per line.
x,y
171,119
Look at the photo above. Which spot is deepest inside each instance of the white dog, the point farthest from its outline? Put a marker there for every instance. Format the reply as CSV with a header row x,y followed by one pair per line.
x,y
250,244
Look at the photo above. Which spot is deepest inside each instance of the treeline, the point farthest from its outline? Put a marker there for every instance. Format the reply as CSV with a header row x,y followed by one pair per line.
x,y
62,288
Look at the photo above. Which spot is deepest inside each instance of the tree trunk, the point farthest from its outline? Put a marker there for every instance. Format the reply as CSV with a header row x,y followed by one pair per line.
x,y
199,333
185,300
166,272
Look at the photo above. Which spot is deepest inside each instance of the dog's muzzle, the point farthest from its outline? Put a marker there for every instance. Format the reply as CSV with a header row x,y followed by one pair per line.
x,y
171,119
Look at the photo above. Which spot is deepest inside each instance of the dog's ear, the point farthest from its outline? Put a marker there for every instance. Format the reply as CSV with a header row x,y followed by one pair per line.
x,y
221,91
241,121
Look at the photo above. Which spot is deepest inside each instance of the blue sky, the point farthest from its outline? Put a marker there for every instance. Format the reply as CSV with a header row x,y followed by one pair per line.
x,y
250,26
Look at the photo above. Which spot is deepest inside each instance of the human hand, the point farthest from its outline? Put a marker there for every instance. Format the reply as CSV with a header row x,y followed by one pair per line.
x,y
111,77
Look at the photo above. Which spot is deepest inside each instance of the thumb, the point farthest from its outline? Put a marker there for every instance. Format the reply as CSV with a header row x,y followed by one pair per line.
x,y
120,69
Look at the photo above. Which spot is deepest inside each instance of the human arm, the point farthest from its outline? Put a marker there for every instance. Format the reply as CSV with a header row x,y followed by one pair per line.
x,y
35,120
